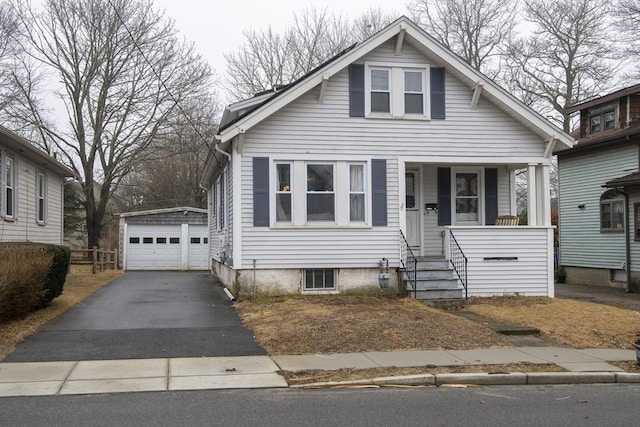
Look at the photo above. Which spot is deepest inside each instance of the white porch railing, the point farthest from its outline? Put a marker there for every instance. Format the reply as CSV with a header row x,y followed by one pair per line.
x,y
506,260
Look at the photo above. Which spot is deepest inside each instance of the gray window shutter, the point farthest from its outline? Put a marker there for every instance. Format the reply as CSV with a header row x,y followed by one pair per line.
x,y
490,195
261,191
356,90
444,196
379,192
437,93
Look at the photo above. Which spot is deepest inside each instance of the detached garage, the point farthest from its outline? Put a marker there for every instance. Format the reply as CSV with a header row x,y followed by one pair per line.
x,y
165,239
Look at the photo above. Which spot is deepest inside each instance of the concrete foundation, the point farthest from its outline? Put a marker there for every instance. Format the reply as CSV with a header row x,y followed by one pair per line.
x,y
249,283
597,277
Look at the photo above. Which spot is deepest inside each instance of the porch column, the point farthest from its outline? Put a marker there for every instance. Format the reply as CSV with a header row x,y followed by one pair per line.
x,y
513,206
543,195
532,195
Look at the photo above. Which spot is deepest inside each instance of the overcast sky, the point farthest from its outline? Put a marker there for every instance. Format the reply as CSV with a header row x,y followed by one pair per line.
x,y
216,25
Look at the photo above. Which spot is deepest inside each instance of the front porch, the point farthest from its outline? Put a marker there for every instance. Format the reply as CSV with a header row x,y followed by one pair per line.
x,y
449,212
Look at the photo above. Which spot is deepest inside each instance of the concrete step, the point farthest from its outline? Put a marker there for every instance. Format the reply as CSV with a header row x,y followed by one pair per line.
x,y
438,294
441,264
427,284
428,274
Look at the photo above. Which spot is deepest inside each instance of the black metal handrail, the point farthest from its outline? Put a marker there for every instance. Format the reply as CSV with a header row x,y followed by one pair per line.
x,y
459,262
403,259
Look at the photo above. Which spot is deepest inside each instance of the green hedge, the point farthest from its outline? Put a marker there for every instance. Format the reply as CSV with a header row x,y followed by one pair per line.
x,y
31,276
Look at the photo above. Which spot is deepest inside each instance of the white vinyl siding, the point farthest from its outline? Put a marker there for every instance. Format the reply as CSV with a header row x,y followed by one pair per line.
x,y
323,131
582,244
517,261
24,226
220,215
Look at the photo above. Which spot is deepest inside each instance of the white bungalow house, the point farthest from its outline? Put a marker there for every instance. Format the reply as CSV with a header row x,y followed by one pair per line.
x,y
394,149
31,196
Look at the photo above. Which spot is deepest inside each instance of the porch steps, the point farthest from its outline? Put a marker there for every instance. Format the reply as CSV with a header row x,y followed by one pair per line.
x,y
435,284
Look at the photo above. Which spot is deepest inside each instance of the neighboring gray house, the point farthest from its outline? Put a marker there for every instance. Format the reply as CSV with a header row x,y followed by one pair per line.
x,y
599,193
391,148
31,192
164,239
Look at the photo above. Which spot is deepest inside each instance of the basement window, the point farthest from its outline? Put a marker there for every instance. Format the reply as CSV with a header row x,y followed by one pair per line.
x,y
319,279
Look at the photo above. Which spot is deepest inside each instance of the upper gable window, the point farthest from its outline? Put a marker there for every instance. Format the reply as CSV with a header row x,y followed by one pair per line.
x,y
396,91
380,90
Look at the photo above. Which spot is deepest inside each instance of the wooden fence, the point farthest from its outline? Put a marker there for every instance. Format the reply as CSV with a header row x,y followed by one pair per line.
x,y
99,259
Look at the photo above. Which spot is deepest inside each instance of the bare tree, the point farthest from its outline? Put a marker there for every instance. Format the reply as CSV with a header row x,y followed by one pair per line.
x,y
123,74
171,177
627,19
268,59
477,30
8,54
569,57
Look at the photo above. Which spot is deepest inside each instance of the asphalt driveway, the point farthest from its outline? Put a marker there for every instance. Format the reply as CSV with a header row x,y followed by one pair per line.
x,y
144,315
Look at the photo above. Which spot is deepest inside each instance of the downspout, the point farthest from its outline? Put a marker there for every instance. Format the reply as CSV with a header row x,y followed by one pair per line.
x,y
221,151
627,244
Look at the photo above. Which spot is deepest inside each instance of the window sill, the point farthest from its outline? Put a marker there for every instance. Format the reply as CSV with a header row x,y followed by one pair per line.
x,y
384,116
9,219
320,291
321,226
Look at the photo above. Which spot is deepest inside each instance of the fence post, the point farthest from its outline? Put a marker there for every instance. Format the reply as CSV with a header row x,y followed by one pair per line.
x,y
95,259
115,259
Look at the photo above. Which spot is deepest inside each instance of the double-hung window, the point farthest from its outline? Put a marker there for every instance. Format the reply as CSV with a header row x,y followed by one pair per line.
x,y
221,200
283,192
467,199
414,92
9,187
41,194
321,198
380,90
357,204
611,211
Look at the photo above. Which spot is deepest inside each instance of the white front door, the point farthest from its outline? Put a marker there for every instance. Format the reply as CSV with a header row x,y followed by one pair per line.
x,y
412,204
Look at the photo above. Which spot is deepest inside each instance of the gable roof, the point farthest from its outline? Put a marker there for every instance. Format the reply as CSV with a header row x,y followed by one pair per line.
x,y
429,47
20,145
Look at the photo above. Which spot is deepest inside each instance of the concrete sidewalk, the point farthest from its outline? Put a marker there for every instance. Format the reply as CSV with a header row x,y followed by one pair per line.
x,y
169,374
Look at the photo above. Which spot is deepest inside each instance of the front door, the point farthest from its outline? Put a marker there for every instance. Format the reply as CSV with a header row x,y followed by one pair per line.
x,y
412,204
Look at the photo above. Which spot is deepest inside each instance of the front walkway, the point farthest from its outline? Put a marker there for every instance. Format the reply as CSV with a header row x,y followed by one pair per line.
x,y
170,374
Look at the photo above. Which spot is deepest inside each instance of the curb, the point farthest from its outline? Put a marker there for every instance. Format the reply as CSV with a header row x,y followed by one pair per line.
x,y
479,379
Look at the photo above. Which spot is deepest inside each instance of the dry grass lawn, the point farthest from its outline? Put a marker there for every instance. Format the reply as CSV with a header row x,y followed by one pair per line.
x,y
80,284
331,324
565,322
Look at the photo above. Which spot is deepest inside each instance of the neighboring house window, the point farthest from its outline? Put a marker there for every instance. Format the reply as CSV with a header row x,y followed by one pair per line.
x,y
467,197
283,192
636,221
320,193
396,91
319,279
9,187
602,120
41,196
356,193
611,211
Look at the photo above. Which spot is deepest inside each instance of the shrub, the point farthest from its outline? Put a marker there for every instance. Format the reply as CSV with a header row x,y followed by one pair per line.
x,y
23,272
21,265
53,286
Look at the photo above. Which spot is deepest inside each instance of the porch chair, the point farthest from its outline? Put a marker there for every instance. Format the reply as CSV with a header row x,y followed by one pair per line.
x,y
507,220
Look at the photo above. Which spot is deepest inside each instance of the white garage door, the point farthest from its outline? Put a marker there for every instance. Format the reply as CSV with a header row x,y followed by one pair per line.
x,y
153,247
198,247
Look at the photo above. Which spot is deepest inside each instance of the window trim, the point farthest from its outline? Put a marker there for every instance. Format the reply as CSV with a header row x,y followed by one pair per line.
x,y
41,195
341,192
365,190
480,196
291,191
423,73
397,92
323,289
610,198
4,198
